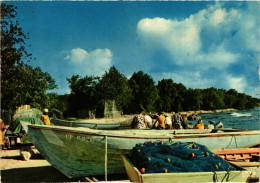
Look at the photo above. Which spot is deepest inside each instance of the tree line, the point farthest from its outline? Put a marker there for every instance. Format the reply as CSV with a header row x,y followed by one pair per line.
x,y
140,93
22,84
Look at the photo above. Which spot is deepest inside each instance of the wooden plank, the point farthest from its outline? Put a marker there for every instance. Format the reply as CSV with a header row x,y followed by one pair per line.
x,y
86,179
246,164
237,159
256,155
94,179
237,151
239,156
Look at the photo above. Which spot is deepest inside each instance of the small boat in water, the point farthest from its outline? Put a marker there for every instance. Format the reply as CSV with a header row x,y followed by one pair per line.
x,y
77,151
91,123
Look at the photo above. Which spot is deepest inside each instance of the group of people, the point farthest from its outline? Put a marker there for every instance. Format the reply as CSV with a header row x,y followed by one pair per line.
x,y
162,121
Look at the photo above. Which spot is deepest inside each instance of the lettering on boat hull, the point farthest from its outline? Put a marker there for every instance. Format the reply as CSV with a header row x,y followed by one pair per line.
x,y
78,137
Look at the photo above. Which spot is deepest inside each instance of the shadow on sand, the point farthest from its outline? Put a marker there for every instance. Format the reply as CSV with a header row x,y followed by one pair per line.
x,y
34,157
34,174
47,174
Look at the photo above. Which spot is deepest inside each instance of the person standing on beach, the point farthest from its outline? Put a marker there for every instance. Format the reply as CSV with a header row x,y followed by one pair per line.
x,y
45,118
2,132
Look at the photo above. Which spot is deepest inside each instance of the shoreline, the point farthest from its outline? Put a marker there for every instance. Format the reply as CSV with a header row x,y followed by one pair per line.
x,y
189,113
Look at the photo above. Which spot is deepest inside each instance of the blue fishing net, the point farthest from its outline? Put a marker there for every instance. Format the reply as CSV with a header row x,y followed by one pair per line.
x,y
160,157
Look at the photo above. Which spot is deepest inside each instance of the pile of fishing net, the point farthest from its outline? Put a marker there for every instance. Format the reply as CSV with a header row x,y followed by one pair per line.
x,y
161,157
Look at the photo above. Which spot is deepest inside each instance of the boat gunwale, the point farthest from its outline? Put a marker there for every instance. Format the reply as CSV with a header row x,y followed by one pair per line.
x,y
91,123
96,133
141,176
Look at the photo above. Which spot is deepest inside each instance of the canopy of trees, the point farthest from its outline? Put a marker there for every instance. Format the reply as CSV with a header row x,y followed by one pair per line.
x,y
144,93
20,83
114,86
139,93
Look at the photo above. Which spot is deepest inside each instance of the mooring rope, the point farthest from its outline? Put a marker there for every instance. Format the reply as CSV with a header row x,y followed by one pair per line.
x,y
229,142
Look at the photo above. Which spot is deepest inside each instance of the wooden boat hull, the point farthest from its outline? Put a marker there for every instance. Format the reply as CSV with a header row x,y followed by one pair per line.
x,y
94,124
80,152
240,175
242,156
247,158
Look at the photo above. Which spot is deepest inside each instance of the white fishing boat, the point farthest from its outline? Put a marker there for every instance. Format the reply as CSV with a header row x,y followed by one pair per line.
x,y
93,123
77,151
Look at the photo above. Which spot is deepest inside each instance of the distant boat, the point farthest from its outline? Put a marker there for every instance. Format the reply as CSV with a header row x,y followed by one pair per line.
x,y
78,152
91,123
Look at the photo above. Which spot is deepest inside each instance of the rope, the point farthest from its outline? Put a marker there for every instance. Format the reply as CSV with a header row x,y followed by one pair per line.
x,y
215,177
228,176
229,142
235,141
225,176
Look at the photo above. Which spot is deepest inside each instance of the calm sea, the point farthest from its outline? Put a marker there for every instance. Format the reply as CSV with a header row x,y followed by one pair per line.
x,y
243,119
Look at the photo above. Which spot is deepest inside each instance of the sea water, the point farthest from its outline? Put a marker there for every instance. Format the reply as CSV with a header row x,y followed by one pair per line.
x,y
241,119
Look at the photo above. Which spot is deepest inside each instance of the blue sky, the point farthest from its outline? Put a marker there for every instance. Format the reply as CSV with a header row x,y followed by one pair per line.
x,y
200,44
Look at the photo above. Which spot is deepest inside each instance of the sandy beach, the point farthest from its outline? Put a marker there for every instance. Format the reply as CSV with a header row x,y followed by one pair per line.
x,y
15,169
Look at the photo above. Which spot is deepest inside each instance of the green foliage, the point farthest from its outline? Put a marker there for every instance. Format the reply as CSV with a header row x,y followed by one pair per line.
x,y
167,95
144,92
83,93
139,93
212,98
193,100
20,83
90,92
114,86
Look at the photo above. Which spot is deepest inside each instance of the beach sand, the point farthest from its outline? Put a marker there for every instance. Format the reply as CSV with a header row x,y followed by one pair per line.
x,y
15,169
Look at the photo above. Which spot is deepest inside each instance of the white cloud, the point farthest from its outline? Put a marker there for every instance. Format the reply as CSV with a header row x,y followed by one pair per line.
x,y
218,58
216,46
174,36
95,62
154,26
77,55
237,83
217,17
213,37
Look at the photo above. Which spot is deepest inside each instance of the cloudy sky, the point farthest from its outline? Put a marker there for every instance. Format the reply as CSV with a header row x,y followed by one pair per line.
x,y
200,44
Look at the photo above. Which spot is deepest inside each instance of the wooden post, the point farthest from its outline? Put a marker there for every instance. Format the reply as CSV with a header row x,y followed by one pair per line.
x,y
106,158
